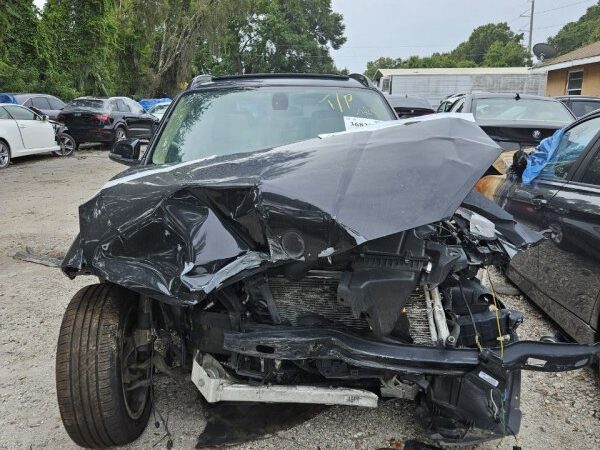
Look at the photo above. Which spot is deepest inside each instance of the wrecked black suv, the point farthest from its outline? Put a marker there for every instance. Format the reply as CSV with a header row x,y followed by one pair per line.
x,y
299,247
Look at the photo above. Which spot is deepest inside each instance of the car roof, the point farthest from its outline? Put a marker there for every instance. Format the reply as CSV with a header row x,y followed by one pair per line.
x,y
26,96
510,95
578,97
87,97
279,79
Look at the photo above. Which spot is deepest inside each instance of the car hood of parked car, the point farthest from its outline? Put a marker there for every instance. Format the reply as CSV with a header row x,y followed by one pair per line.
x,y
179,231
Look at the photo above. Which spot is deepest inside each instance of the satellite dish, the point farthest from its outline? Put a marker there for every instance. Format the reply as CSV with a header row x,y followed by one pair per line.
x,y
543,51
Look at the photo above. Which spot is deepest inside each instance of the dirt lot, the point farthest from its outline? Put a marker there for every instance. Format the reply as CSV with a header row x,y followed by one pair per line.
x,y
38,208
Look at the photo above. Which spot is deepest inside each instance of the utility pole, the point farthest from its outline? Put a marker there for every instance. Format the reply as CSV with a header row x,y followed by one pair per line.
x,y
530,27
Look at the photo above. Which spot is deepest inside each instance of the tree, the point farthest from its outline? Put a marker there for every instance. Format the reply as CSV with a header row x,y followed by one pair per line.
x,y
577,34
491,45
383,62
274,36
505,54
79,39
18,45
481,40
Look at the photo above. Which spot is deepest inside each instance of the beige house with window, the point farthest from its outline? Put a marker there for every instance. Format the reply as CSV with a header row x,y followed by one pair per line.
x,y
574,73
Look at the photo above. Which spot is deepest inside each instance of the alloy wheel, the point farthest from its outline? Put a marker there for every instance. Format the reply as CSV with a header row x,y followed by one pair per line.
x,y
136,370
67,145
121,134
4,155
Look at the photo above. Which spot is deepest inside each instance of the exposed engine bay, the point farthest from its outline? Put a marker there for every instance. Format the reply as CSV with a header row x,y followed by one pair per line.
x,y
299,325
291,276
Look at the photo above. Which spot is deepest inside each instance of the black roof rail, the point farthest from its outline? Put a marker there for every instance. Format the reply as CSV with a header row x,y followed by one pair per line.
x,y
362,79
281,75
199,79
202,79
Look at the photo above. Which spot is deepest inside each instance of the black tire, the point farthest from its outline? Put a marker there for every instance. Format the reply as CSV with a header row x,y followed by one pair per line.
x,y
89,370
4,154
68,145
120,134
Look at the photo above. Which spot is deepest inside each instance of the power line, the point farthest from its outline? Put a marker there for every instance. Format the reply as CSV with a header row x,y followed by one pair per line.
x,y
564,6
552,26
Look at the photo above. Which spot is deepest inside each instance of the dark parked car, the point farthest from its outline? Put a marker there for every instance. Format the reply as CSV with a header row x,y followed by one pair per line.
x,y
562,275
407,107
514,121
297,263
48,105
107,120
580,105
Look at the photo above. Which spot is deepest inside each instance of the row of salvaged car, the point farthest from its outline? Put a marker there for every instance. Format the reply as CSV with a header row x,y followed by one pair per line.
x,y
291,241
407,106
40,123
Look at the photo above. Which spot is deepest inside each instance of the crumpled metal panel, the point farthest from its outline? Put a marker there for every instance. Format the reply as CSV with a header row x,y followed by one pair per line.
x,y
177,232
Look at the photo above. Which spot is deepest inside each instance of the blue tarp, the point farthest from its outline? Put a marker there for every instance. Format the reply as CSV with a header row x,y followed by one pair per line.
x,y
542,155
8,98
148,103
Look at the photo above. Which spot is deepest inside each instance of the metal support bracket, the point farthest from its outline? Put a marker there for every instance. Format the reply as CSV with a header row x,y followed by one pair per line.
x,y
215,385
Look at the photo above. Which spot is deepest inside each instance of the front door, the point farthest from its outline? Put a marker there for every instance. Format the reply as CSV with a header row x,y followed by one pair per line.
x,y
558,202
570,259
37,134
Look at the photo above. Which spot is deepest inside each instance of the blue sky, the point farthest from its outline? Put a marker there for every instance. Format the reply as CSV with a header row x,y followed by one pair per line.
x,y
401,28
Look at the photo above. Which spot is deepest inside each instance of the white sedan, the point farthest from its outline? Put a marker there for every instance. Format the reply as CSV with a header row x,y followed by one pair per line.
x,y
23,132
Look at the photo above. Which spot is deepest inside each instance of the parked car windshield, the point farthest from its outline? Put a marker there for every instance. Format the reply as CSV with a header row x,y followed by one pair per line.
x,y
87,103
523,110
226,121
581,107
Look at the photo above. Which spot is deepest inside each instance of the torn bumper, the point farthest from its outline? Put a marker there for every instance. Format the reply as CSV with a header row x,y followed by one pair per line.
x,y
467,396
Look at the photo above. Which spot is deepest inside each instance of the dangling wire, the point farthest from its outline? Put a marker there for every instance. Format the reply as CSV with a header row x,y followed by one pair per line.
x,y
500,336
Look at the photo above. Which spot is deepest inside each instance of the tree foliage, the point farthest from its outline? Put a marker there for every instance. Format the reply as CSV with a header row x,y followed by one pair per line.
x,y
153,47
491,45
274,36
579,33
18,44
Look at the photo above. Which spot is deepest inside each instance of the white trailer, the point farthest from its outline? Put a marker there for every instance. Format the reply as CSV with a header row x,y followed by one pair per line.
x,y
437,84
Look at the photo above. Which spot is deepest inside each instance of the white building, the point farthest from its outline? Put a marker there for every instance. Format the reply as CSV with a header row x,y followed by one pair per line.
x,y
436,84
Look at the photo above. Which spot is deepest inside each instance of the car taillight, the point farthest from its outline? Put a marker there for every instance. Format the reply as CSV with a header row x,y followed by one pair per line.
x,y
100,117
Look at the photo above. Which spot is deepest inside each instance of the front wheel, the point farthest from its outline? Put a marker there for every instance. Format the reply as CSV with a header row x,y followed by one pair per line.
x,y
102,379
4,155
67,145
120,134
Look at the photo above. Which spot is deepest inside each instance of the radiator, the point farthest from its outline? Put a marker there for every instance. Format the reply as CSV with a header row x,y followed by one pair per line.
x,y
313,297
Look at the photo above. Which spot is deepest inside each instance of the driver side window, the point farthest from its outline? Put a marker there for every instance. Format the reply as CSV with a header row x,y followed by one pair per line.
x,y
571,145
19,113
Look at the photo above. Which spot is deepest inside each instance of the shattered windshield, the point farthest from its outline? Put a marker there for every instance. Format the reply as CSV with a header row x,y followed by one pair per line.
x,y
227,121
510,109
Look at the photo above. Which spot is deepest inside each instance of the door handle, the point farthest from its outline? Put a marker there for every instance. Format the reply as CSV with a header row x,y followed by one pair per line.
x,y
22,126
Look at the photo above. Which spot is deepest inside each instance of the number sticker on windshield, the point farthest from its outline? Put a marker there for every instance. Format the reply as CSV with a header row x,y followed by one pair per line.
x,y
352,123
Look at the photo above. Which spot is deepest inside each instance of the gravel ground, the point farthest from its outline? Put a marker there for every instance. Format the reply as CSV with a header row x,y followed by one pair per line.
x,y
38,208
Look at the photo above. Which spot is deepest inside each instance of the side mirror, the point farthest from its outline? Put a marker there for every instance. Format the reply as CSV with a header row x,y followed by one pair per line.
x,y
45,118
126,152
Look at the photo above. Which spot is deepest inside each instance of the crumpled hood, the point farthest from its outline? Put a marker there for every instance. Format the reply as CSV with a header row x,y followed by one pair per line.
x,y
177,232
